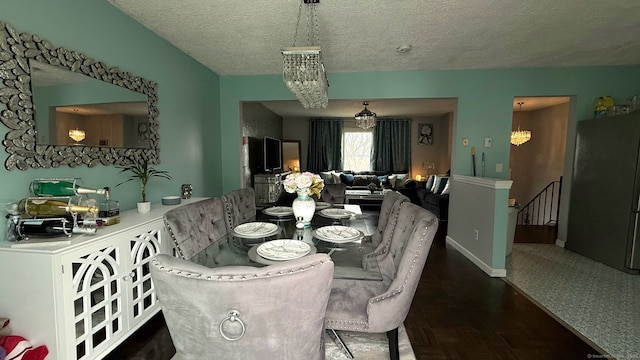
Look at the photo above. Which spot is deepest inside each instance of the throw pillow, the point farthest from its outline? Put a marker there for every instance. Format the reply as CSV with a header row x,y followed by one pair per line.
x,y
347,179
429,184
401,180
327,177
383,181
392,181
336,177
436,179
365,180
442,182
446,188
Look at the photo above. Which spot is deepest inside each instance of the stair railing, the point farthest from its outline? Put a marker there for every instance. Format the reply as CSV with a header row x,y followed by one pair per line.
x,y
544,208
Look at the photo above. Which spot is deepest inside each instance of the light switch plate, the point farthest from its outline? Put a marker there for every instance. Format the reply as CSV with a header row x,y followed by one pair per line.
x,y
499,167
487,142
465,142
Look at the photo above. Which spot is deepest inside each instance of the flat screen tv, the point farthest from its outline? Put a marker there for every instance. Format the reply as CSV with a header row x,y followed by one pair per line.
x,y
272,151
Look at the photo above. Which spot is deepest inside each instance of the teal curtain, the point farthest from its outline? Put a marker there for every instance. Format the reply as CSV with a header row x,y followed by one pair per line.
x,y
325,145
391,150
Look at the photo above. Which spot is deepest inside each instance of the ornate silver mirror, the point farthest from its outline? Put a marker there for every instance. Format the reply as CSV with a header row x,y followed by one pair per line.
x,y
63,108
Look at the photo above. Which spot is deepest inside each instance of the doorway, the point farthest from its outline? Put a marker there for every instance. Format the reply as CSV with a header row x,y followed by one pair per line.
x,y
536,166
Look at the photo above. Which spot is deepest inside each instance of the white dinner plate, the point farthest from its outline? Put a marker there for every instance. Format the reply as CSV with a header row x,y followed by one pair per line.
x,y
337,213
278,211
321,205
256,229
284,249
337,234
253,256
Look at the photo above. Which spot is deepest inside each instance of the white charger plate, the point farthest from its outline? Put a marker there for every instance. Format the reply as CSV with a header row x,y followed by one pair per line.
x,y
337,213
256,229
321,205
337,234
283,249
278,211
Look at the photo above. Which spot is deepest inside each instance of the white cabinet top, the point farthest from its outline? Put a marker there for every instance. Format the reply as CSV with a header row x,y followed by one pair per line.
x,y
128,219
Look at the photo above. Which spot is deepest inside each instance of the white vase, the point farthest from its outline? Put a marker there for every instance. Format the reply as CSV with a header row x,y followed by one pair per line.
x,y
144,207
303,207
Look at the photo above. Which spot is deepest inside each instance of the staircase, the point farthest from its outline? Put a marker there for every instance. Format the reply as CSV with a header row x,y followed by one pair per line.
x,y
537,220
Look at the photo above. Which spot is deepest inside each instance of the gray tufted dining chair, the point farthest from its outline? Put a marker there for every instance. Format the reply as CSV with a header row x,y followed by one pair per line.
x,y
240,206
195,226
242,312
390,199
382,306
334,193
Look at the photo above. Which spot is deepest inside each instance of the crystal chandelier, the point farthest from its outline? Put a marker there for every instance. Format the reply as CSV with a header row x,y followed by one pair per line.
x,y
365,118
303,71
77,135
520,137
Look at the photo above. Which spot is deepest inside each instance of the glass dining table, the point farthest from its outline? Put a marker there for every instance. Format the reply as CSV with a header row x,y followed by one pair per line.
x,y
339,230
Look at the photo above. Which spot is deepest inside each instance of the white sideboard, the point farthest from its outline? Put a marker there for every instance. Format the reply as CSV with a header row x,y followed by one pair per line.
x,y
82,296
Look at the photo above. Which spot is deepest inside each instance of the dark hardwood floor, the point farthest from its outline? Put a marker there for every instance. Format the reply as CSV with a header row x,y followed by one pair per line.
x,y
458,313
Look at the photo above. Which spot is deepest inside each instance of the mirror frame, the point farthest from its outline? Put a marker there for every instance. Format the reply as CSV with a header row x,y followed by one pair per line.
x,y
20,141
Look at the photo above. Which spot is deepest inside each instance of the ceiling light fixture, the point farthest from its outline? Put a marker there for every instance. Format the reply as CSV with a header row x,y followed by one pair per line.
x,y
77,135
365,119
520,137
303,71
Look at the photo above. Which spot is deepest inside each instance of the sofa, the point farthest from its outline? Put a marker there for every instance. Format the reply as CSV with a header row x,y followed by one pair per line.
x,y
367,180
434,196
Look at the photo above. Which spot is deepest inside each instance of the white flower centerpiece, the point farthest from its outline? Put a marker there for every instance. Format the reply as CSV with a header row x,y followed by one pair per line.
x,y
304,184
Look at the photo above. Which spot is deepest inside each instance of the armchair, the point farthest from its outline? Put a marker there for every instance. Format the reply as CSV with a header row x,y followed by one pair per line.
x,y
239,312
378,307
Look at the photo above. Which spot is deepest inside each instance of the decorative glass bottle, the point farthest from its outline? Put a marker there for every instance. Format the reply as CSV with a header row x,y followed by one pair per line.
x,y
109,209
52,207
61,187
303,207
45,227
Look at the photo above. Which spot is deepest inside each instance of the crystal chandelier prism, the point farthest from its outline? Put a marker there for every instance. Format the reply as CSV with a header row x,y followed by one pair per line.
x,y
519,137
303,70
365,119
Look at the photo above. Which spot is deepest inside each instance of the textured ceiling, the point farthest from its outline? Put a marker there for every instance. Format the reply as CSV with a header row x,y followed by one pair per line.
x,y
245,37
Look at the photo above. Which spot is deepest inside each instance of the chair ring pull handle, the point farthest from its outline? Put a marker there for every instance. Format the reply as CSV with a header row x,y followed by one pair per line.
x,y
234,315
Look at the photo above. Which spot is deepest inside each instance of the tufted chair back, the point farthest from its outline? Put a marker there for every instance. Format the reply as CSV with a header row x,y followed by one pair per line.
x,y
195,226
397,236
242,312
388,204
334,193
240,206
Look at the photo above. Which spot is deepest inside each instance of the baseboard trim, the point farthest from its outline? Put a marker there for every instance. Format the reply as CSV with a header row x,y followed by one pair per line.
x,y
474,259
560,243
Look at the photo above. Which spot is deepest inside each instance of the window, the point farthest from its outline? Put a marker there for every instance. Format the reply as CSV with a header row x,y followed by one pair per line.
x,y
356,148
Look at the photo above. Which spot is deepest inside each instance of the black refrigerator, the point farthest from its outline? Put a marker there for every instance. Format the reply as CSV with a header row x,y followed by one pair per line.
x,y
605,192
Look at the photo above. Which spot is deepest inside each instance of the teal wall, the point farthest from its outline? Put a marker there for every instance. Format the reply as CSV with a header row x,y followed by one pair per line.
x,y
188,96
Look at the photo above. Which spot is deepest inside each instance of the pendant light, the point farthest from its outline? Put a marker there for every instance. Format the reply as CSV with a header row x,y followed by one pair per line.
x,y
520,137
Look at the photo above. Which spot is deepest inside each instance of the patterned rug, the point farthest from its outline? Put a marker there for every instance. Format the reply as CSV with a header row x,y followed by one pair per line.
x,y
600,303
364,346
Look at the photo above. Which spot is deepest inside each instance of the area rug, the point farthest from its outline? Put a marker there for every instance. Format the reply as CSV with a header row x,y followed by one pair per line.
x,y
365,346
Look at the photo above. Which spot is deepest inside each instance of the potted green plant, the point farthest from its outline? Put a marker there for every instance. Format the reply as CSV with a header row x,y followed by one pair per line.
x,y
142,172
